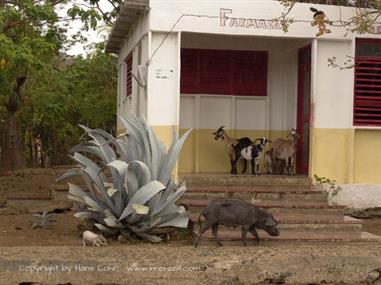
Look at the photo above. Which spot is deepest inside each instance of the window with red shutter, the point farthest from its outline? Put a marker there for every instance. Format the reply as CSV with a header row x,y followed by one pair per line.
x,y
367,93
224,72
129,75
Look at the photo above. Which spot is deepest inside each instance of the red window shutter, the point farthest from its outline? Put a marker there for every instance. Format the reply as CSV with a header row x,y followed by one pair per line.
x,y
189,80
224,72
215,72
250,73
367,101
129,75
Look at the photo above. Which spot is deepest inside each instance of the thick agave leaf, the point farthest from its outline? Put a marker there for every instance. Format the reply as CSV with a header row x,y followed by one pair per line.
x,y
89,166
138,175
96,176
137,130
101,142
143,235
89,147
88,215
169,201
76,191
75,198
168,167
180,221
175,139
151,238
142,196
119,165
106,230
120,168
113,141
141,171
69,173
93,204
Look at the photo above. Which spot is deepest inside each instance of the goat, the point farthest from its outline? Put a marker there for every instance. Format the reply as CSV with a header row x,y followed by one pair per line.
x,y
253,153
285,149
268,159
233,147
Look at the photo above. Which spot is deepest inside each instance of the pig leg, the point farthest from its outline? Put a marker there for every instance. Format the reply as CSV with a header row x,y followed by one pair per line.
x,y
254,233
215,234
201,231
245,229
83,242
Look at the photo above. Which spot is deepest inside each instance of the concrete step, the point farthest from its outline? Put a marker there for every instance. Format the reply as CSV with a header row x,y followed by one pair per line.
x,y
283,208
28,202
347,224
300,219
224,179
59,190
235,235
285,194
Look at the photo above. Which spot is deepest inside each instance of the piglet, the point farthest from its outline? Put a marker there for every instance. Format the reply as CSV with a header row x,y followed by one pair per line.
x,y
95,239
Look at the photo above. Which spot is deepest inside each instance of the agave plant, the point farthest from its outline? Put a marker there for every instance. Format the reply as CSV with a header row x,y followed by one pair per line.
x,y
129,186
43,219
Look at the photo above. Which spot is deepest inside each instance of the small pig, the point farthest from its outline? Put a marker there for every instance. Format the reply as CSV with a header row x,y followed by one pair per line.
x,y
95,239
232,212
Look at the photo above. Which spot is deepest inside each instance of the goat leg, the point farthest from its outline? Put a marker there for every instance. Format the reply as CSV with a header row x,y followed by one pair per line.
x,y
244,166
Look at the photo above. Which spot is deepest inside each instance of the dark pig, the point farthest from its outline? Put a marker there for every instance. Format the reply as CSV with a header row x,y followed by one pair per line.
x,y
232,212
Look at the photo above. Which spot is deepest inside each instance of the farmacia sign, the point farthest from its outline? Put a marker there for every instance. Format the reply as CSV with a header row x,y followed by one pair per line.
x,y
227,21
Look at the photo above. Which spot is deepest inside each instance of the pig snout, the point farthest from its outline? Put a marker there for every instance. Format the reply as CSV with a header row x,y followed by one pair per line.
x,y
273,231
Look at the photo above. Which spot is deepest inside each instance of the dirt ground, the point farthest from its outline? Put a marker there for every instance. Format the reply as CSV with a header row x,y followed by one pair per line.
x,y
55,255
28,182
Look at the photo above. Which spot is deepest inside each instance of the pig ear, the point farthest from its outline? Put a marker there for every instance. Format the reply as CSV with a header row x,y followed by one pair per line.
x,y
270,222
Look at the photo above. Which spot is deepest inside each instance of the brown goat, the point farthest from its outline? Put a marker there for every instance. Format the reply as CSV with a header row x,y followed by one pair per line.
x,y
233,147
285,149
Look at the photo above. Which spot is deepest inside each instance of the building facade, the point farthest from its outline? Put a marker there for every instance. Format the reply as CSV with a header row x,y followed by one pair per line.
x,y
206,64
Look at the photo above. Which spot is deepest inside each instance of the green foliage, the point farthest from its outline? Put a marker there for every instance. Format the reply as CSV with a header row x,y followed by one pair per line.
x,y
333,189
367,14
140,193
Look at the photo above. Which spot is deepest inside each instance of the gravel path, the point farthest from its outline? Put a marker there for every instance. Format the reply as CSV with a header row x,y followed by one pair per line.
x,y
179,263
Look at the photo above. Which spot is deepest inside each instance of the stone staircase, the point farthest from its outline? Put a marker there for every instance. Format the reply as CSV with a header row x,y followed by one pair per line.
x,y
302,211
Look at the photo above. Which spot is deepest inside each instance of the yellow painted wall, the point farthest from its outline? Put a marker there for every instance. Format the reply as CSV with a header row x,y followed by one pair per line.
x,y
201,153
331,154
347,155
367,156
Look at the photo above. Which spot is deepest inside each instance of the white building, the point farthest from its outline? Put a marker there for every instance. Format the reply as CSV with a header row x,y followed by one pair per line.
x,y
204,64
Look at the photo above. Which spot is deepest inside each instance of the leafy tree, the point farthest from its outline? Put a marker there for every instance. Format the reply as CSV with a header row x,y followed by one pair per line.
x,y
33,89
29,37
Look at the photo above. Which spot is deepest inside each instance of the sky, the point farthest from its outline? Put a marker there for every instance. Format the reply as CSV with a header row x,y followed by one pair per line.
x,y
75,26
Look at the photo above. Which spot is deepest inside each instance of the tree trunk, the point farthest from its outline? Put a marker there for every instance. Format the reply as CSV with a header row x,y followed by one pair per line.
x,y
12,150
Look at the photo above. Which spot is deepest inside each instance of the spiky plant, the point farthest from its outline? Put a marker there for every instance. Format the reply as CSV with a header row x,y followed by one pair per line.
x,y
43,219
130,188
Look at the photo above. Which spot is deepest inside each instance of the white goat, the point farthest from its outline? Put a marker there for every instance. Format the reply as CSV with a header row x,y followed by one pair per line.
x,y
253,153
285,149
93,238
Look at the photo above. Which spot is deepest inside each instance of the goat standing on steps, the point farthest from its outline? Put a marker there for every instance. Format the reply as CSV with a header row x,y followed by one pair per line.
x,y
253,153
285,149
233,147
